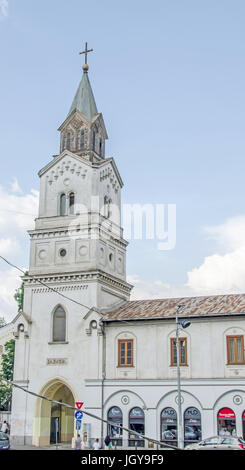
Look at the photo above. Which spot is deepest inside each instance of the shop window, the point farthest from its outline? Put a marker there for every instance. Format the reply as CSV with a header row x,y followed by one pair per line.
x,y
226,422
125,353
137,425
182,352
192,425
169,426
115,415
59,325
235,349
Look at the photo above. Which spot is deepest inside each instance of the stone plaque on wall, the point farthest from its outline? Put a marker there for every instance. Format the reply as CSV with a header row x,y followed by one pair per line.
x,y
56,361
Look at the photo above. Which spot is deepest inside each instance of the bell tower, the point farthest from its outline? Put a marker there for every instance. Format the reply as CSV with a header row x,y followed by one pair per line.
x,y
78,231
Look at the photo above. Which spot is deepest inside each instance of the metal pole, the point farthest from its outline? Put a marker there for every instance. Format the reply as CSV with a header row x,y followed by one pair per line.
x,y
180,421
102,410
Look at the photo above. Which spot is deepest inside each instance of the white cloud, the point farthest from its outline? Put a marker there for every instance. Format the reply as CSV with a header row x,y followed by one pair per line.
x,y
9,282
224,271
9,246
220,273
4,8
15,188
17,214
146,289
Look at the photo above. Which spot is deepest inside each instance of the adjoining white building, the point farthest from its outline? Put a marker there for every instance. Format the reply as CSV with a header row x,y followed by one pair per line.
x,y
117,356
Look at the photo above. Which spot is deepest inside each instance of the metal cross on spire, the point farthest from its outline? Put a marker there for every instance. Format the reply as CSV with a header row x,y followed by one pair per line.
x,y
86,52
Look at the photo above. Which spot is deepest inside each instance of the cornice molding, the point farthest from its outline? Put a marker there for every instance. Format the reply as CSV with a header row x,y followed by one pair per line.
x,y
101,277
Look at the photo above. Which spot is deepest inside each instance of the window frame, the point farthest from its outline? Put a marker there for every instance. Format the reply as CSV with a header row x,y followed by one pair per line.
x,y
131,364
174,364
58,341
228,338
61,195
71,206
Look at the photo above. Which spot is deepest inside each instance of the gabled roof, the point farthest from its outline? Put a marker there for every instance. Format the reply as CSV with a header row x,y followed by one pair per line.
x,y
111,160
84,99
206,306
57,158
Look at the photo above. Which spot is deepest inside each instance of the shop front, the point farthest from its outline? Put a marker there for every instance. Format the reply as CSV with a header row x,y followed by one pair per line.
x,y
113,430
192,425
226,422
169,426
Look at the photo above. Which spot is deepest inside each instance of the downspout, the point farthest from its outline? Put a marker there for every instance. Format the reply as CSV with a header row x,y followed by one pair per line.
x,y
103,360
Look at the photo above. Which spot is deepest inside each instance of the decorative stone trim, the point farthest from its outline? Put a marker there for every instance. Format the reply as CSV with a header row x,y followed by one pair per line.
x,y
98,276
59,289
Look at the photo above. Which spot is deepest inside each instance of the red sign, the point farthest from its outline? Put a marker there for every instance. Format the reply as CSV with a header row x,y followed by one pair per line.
x,y
226,413
79,404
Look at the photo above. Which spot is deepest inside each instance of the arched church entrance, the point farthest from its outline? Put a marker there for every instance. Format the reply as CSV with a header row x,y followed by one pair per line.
x,y
54,421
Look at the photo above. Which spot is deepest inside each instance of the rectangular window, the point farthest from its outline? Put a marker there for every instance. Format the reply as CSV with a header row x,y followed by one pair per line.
x,y
125,353
182,352
235,349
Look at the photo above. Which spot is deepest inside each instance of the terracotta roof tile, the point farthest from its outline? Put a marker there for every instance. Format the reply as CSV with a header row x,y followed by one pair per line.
x,y
194,306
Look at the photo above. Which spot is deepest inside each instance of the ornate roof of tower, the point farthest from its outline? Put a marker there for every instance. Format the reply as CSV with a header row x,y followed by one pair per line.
x,y
84,99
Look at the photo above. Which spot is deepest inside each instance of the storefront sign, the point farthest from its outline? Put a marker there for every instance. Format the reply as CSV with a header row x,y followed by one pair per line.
x,y
226,413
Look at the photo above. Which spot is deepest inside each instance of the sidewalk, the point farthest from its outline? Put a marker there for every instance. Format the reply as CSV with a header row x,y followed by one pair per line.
x,y
52,447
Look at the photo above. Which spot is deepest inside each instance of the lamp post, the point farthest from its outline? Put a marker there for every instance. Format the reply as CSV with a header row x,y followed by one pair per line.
x,y
183,324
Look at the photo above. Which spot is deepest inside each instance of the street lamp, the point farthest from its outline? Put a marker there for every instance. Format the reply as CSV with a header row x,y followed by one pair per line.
x,y
180,324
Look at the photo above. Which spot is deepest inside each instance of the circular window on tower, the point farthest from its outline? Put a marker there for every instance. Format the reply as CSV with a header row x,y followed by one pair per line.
x,y
62,252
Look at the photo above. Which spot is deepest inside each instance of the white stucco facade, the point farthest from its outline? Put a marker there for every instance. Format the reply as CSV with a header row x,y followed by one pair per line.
x,y
78,264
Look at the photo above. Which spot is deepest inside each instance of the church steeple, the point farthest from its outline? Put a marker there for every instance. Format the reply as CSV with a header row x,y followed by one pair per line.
x,y
84,99
83,131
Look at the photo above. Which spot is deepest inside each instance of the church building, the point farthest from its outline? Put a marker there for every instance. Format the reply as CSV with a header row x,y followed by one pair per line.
x,y
81,339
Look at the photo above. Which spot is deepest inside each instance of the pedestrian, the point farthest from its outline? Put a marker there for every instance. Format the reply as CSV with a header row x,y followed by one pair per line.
x,y
107,442
83,445
4,427
78,442
96,445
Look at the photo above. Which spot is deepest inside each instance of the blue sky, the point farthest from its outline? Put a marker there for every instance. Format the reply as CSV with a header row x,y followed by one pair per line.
x,y
169,78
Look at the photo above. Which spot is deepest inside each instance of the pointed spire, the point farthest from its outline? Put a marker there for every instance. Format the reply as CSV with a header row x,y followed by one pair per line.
x,y
84,99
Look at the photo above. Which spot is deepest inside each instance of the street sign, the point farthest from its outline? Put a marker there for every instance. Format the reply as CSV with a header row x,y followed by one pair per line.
x,y
79,404
78,424
79,415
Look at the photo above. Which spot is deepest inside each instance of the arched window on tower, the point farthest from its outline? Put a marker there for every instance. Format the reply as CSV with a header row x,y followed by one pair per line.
x,y
71,203
100,149
106,207
82,139
63,142
59,325
77,141
93,139
68,141
63,204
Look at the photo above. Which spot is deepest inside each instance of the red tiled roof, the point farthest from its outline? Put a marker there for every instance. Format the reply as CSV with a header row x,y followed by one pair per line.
x,y
193,306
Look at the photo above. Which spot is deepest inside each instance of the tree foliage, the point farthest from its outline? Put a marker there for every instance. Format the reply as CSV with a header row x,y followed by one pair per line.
x,y
7,372
2,322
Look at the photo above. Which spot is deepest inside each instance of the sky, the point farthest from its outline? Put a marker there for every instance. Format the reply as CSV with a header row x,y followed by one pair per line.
x,y
168,76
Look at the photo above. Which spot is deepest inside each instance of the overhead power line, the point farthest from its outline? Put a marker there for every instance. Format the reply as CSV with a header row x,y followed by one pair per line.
x,y
111,423
55,290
